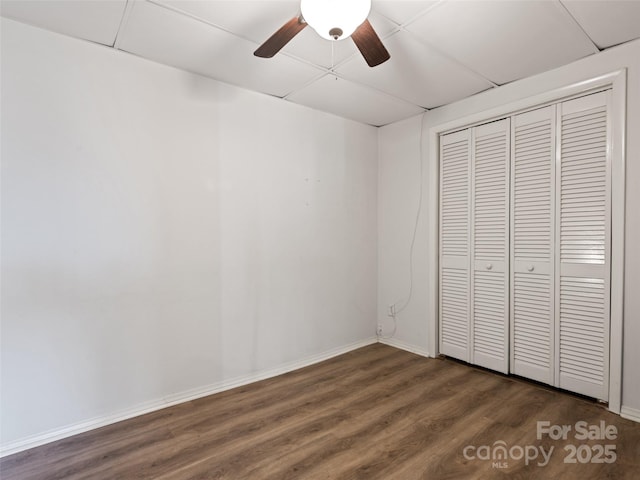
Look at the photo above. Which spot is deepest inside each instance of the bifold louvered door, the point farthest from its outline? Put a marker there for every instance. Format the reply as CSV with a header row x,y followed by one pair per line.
x,y
455,184
532,245
583,224
525,222
490,245
474,245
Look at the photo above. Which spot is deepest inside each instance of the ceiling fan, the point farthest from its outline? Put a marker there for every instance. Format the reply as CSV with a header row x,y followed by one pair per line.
x,y
333,20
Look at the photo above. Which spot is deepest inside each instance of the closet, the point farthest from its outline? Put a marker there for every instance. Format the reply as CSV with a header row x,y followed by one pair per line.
x,y
524,244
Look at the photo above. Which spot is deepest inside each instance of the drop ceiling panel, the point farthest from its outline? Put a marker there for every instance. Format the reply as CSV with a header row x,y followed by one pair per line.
x,y
416,73
253,20
350,100
97,20
401,11
607,22
504,41
165,36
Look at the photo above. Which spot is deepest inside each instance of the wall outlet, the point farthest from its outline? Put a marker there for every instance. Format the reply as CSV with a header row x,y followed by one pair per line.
x,y
391,311
379,330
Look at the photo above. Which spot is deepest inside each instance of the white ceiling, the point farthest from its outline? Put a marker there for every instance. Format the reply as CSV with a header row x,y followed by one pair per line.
x,y
441,51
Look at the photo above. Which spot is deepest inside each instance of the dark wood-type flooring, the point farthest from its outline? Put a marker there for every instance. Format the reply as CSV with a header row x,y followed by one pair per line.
x,y
374,413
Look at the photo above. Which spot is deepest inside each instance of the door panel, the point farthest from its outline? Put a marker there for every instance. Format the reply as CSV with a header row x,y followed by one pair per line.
x,y
490,240
532,232
582,262
455,183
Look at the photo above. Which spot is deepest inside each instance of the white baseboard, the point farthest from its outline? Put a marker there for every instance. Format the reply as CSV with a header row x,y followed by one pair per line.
x,y
630,413
174,399
392,342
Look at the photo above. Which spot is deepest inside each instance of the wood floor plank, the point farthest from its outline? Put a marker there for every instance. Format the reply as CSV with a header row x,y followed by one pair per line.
x,y
374,413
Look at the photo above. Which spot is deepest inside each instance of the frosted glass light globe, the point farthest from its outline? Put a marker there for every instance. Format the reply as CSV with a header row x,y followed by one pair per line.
x,y
324,16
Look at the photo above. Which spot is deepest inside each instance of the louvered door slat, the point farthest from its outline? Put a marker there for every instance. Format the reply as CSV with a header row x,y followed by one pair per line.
x,y
532,198
490,245
583,217
455,183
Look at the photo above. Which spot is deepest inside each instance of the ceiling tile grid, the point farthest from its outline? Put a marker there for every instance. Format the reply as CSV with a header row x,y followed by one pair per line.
x,y
441,50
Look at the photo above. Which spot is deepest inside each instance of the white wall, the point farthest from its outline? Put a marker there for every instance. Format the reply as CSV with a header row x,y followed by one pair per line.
x,y
399,183
163,233
397,187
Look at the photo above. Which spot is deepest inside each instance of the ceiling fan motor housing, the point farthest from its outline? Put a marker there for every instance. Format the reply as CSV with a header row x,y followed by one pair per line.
x,y
336,33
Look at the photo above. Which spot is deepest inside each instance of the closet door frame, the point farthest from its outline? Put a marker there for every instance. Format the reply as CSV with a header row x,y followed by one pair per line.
x,y
616,81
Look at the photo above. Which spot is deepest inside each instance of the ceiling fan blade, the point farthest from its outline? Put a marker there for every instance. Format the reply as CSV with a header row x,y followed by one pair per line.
x,y
369,44
279,39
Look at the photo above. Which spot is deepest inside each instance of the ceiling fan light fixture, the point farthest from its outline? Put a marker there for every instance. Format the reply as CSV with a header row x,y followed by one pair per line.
x,y
328,17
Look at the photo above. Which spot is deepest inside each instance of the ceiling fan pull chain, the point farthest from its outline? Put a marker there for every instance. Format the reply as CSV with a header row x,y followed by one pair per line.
x,y
332,61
